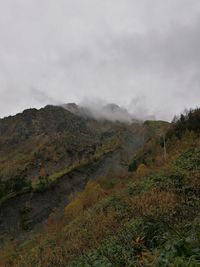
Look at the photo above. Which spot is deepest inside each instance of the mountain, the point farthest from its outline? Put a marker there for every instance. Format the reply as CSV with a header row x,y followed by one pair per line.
x,y
149,216
47,154
36,138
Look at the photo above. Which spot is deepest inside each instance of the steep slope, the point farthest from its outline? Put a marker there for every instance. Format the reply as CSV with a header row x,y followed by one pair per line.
x,y
34,138
150,217
47,154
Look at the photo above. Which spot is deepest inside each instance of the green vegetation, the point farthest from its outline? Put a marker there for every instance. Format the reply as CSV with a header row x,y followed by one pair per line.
x,y
190,160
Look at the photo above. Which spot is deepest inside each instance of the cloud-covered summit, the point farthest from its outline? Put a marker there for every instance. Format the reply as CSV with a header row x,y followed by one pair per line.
x,y
99,111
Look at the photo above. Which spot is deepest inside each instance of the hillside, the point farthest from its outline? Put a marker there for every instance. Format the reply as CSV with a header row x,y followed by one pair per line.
x,y
147,217
47,154
36,137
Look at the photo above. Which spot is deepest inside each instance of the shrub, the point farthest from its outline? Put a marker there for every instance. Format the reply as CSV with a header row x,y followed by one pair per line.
x,y
154,202
90,196
74,208
14,184
120,250
181,248
173,180
116,203
190,160
142,170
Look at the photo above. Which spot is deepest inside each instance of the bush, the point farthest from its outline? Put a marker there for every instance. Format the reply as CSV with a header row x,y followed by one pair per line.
x,y
142,170
117,204
182,248
120,250
190,160
173,180
154,202
82,201
14,184
74,208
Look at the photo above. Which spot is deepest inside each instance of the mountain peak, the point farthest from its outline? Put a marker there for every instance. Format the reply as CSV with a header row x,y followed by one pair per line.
x,y
109,112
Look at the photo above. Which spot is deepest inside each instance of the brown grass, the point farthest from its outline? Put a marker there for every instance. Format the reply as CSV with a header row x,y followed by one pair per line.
x,y
154,201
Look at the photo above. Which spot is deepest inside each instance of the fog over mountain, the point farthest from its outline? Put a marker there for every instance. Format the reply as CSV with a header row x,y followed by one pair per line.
x,y
142,55
98,111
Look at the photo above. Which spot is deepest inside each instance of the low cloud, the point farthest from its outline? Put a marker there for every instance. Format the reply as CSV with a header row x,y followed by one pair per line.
x,y
100,110
43,98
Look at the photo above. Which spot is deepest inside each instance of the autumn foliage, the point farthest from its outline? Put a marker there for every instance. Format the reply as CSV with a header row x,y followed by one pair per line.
x,y
81,201
149,217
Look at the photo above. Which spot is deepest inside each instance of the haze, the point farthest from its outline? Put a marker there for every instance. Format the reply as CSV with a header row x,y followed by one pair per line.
x,y
140,54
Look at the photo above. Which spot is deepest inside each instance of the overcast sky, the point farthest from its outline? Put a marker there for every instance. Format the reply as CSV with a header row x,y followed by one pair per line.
x,y
142,54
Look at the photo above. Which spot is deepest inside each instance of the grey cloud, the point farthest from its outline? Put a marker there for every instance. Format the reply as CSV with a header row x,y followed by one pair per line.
x,y
99,109
43,97
114,50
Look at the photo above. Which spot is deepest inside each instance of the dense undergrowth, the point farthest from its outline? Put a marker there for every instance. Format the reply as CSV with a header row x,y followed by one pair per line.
x,y
148,217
